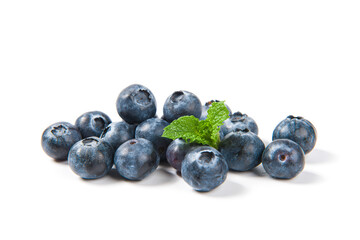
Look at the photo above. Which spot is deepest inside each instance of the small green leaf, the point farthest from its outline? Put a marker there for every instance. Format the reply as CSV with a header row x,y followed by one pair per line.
x,y
204,132
187,128
217,114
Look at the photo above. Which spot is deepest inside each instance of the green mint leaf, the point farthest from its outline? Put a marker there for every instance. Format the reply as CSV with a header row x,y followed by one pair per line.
x,y
206,129
217,114
187,128
204,132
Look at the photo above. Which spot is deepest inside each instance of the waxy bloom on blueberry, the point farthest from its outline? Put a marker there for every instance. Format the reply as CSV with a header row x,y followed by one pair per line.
x,y
92,123
297,129
135,104
176,152
91,158
117,133
181,103
283,159
238,121
58,138
242,150
204,168
152,130
136,159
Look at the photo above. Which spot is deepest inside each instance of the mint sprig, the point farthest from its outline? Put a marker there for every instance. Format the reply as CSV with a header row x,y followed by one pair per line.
x,y
205,132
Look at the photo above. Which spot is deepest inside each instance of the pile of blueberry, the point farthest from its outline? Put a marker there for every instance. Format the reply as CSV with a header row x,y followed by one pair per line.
x,y
136,146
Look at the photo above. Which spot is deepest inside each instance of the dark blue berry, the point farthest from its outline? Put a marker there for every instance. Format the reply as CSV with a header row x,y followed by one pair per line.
x,y
238,121
204,168
176,152
135,104
297,129
117,133
181,103
92,123
242,150
136,159
91,158
152,130
283,159
58,138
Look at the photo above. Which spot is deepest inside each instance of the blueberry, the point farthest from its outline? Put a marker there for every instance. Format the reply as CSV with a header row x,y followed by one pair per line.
x,y
204,168
117,133
152,130
242,150
176,152
238,121
92,123
206,107
91,158
283,159
135,104
297,129
181,103
58,138
135,159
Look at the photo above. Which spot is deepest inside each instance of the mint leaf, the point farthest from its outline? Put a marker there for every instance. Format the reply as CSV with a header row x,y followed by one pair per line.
x,y
187,128
217,114
204,132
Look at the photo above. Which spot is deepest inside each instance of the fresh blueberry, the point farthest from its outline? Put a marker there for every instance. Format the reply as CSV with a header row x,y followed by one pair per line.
x,y
152,130
135,159
283,159
238,121
136,103
297,129
206,107
204,168
58,138
242,150
117,133
181,103
92,123
91,158
176,152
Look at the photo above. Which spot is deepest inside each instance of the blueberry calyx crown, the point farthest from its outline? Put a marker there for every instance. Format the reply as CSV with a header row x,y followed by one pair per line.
x,y
142,97
282,157
99,122
206,156
241,129
59,130
292,117
238,117
90,142
177,96
210,102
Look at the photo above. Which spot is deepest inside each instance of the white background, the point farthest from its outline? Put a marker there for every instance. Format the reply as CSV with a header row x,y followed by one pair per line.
x,y
269,59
